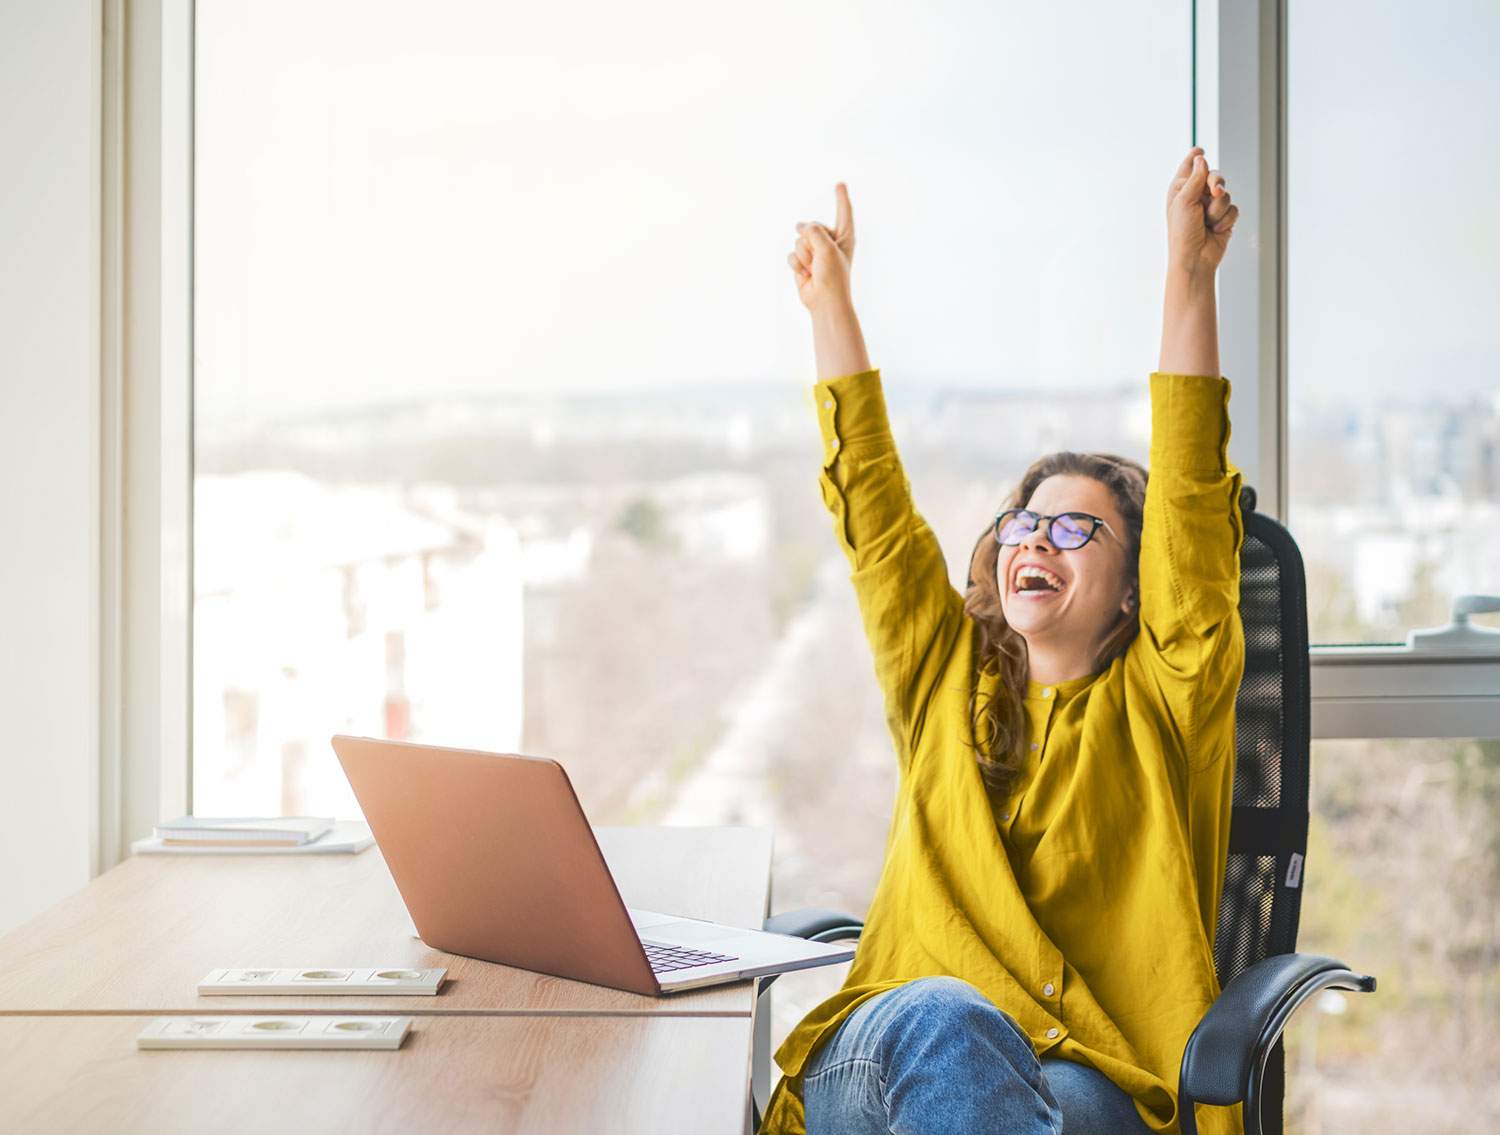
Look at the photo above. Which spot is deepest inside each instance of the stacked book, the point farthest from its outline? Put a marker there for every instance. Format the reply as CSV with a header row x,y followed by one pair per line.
x,y
277,831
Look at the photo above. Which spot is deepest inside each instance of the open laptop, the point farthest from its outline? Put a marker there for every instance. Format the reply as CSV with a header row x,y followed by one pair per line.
x,y
495,859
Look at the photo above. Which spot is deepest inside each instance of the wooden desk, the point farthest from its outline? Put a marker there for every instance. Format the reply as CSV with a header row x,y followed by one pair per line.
x,y
496,1074
138,939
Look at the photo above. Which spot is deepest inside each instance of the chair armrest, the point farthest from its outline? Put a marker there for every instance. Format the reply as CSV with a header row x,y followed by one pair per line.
x,y
814,923
1225,1058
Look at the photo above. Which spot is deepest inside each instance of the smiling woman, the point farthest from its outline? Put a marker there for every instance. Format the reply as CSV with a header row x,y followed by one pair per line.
x,y
1050,894
1054,636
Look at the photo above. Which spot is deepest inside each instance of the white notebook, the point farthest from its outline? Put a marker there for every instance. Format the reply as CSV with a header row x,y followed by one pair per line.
x,y
264,830
347,836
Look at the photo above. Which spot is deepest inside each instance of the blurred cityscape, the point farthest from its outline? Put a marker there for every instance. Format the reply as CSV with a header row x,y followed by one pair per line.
x,y
646,588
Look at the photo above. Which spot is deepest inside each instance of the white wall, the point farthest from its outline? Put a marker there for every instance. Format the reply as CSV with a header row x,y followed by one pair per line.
x,y
49,449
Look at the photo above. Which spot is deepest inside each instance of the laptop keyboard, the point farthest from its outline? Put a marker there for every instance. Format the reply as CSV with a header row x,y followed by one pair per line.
x,y
665,957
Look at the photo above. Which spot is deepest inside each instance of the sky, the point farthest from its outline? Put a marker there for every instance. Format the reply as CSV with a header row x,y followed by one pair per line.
x,y
394,200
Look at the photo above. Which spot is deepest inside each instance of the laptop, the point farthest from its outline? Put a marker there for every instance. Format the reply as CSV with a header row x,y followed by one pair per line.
x,y
495,860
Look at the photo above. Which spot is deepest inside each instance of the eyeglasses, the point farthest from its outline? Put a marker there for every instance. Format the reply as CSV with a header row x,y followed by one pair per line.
x,y
1066,530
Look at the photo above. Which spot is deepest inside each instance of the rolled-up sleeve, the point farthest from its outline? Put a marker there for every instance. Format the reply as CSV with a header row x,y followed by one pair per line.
x,y
910,611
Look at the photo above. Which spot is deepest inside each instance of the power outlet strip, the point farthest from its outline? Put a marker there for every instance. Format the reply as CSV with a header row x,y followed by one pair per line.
x,y
274,1032
304,982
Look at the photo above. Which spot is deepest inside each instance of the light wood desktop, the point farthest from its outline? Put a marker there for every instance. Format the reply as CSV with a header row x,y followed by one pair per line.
x,y
138,938
498,1049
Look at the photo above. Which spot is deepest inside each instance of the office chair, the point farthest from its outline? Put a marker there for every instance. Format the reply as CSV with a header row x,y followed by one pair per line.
x,y
1235,1055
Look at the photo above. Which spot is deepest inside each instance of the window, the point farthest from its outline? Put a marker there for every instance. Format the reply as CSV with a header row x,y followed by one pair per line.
x,y
1393,348
1402,878
503,436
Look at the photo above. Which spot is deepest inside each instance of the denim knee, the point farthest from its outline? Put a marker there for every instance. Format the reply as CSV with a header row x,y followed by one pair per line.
x,y
934,1055
933,1010
943,995
946,997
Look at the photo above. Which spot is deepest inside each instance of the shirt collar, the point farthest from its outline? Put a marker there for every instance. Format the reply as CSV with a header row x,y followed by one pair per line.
x,y
1060,690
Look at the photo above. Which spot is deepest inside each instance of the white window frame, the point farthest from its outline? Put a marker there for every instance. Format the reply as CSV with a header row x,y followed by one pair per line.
x,y
1239,115
1239,105
145,664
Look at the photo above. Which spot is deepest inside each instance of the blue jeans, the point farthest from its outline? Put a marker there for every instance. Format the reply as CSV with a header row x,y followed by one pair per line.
x,y
935,1056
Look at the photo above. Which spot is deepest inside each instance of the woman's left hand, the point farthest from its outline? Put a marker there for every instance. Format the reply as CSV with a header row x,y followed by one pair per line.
x,y
1200,217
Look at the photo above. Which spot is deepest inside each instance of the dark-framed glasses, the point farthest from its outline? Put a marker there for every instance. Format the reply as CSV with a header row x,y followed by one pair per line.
x,y
1065,530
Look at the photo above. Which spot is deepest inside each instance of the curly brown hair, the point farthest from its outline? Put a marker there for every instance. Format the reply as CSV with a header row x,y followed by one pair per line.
x,y
999,648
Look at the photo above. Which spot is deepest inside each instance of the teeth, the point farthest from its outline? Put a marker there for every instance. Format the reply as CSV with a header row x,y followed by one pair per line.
x,y
1031,570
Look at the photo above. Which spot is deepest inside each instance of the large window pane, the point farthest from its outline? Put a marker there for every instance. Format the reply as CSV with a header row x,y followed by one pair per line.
x,y
1394,282
1403,882
503,435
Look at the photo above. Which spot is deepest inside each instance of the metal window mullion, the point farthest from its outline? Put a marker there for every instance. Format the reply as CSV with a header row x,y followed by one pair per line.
x,y
1239,119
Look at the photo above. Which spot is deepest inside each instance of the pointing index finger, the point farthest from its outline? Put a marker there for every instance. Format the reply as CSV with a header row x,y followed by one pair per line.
x,y
844,222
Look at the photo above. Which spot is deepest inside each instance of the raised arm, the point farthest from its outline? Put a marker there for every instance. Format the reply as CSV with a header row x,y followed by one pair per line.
x,y
911,613
1191,639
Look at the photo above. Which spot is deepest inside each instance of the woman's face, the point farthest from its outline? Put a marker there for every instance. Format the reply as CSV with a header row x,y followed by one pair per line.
x,y
1092,578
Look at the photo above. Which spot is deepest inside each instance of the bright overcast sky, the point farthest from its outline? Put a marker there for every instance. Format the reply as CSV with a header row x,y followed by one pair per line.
x,y
398,199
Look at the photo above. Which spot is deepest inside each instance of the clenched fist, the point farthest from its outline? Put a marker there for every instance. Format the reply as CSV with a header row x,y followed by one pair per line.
x,y
1200,217
821,258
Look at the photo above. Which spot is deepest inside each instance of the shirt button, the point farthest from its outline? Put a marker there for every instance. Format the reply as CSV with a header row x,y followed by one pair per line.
x,y
1051,1032
1033,746
1005,815
1047,693
834,444
1047,989
828,404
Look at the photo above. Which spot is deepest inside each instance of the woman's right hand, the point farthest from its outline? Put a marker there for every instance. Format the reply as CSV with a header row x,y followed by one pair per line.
x,y
820,261
1200,218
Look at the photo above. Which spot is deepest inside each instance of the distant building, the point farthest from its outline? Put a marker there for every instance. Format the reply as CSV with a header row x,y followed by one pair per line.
x,y
323,609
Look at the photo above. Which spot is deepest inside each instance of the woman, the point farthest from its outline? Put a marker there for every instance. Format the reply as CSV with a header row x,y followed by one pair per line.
x,y
1040,944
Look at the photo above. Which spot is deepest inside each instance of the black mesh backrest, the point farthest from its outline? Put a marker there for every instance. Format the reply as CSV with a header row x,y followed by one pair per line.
x,y
1262,895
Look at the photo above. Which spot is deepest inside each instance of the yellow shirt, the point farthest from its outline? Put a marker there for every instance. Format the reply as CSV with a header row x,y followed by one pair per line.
x,y
1085,904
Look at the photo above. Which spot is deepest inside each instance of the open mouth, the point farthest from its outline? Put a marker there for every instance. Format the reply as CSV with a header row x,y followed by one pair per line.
x,y
1033,582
